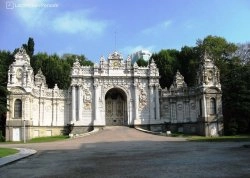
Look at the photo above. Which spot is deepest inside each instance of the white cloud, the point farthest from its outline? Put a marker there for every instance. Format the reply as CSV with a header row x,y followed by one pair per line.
x,y
158,27
131,49
41,19
77,22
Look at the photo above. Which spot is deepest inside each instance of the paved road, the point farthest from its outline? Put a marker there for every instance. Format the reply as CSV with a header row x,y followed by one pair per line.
x,y
126,152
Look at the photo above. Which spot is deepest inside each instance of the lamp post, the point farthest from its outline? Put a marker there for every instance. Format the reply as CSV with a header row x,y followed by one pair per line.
x,y
24,132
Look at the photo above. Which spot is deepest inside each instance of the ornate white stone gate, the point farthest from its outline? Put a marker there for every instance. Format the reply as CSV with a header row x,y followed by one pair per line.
x,y
113,92
137,90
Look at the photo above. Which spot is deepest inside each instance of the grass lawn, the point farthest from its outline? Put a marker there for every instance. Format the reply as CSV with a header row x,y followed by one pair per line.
x,y
7,151
41,139
48,139
235,138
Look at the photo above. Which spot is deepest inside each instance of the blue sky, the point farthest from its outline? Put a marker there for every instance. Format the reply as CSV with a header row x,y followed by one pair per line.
x,y
89,26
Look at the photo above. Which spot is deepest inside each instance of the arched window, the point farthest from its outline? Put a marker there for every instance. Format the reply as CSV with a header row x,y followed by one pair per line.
x,y
212,106
18,109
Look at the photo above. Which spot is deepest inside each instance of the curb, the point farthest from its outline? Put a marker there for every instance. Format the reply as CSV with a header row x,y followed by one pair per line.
x,y
23,153
147,131
85,134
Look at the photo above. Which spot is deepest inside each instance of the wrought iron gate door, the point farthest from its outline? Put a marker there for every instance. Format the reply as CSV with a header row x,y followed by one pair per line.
x,y
115,111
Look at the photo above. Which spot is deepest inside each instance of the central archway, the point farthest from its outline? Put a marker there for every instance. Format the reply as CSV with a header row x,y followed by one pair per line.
x,y
116,107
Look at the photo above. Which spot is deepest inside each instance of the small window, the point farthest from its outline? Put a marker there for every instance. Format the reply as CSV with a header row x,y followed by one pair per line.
x,y
212,106
18,109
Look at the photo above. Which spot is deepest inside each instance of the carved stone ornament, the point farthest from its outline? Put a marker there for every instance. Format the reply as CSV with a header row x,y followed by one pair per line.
x,y
17,91
21,56
142,99
179,80
87,99
19,73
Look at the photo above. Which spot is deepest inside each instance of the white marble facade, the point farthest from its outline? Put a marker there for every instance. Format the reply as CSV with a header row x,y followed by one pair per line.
x,y
112,92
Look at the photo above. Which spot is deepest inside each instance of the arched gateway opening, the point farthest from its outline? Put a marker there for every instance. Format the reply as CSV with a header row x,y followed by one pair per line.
x,y
116,107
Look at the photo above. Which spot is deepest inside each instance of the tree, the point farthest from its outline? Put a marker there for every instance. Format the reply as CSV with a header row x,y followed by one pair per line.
x,y
29,48
6,58
236,98
166,61
243,52
57,69
188,61
219,49
142,63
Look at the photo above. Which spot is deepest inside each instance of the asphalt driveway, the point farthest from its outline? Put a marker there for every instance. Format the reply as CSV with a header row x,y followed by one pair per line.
x,y
126,152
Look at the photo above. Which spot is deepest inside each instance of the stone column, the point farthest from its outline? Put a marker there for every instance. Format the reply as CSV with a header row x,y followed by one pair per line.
x,y
130,112
79,103
151,101
135,101
204,114
157,106
96,103
54,112
73,117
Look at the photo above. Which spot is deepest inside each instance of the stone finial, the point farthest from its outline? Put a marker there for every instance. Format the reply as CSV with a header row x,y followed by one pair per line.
x,y
56,87
102,59
135,65
21,56
179,80
152,64
76,63
40,79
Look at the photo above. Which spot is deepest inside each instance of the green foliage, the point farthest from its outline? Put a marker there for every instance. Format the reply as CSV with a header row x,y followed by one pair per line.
x,y
236,98
29,47
7,151
6,58
142,63
2,139
57,69
166,61
236,138
217,47
188,62
48,139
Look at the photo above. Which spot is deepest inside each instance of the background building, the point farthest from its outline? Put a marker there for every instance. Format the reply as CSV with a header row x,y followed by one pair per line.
x,y
142,54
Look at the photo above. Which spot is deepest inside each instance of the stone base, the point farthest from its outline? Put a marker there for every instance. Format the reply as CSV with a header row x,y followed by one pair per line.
x,y
187,128
33,132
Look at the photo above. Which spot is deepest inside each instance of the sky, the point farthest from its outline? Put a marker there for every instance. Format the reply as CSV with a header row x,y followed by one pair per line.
x,y
97,28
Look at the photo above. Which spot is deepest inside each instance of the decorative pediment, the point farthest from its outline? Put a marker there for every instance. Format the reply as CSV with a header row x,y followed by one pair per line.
x,y
115,56
18,90
213,90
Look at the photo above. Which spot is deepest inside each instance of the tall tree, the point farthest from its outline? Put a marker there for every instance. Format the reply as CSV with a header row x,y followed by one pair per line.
x,y
188,61
166,61
30,47
243,52
6,58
